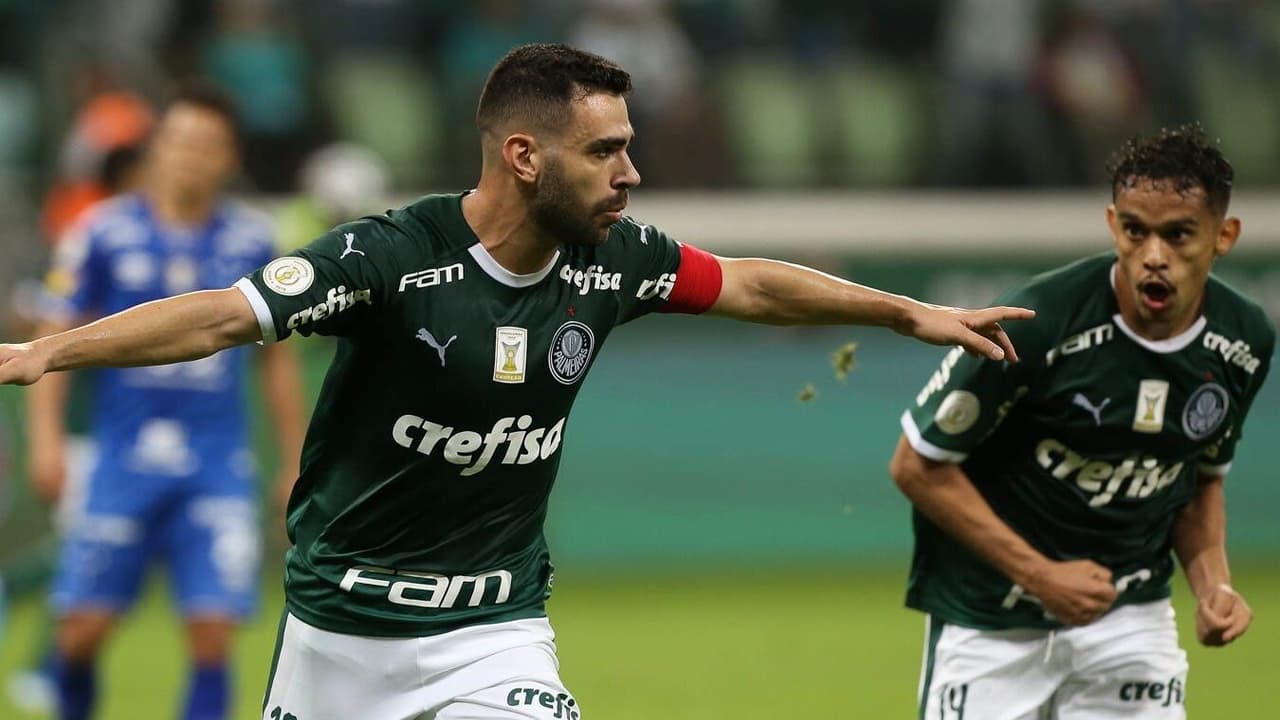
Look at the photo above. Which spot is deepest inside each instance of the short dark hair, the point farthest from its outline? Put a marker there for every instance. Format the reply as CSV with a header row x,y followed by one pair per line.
x,y
1184,156
207,96
538,83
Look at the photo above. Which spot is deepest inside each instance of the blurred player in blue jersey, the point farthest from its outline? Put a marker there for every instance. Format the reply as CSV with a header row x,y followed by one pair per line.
x,y
175,481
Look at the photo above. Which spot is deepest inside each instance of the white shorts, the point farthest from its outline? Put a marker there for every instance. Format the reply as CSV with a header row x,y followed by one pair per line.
x,y
503,671
1126,664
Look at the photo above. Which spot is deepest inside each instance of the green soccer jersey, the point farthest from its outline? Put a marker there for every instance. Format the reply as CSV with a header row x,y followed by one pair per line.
x,y
1090,445
437,433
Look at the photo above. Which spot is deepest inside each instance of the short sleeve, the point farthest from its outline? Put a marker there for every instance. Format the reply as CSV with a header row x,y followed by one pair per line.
x,y
665,275
330,286
967,398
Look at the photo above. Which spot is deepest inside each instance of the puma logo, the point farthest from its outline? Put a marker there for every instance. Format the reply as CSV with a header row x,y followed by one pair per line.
x,y
425,336
1096,411
351,239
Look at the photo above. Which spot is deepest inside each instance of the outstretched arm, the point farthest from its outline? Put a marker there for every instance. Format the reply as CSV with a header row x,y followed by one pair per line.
x,y
185,327
778,293
1200,541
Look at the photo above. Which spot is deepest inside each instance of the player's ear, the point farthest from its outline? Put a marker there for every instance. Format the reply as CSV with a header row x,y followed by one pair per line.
x,y
520,152
1227,236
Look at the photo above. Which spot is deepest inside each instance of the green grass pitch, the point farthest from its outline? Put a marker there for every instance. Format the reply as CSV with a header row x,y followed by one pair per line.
x,y
686,646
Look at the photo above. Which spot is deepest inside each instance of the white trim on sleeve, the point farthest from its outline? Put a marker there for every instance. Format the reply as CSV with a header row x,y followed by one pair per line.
x,y
924,447
260,309
1207,469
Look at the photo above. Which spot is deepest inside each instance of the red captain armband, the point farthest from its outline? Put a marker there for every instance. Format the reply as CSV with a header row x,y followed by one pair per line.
x,y
698,282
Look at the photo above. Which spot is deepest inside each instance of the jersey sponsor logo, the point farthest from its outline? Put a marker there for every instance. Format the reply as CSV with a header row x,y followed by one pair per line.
x,y
429,590
1080,401
1148,415
289,275
660,286
425,336
337,300
939,379
431,277
1205,411
350,239
181,275
564,707
1236,352
1144,474
570,352
957,412
510,353
1163,693
593,278
1087,340
523,444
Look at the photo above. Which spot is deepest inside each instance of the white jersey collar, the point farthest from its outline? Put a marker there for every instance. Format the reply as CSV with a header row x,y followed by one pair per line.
x,y
505,276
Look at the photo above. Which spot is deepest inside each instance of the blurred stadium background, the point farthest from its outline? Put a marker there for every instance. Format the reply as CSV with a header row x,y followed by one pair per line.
x,y
725,550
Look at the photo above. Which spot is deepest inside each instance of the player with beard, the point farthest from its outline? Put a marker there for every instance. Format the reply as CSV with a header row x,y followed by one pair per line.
x,y
466,323
1051,497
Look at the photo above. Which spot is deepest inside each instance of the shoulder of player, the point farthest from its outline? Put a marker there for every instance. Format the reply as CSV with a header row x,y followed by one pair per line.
x,y
1065,299
430,227
628,234
1230,311
117,220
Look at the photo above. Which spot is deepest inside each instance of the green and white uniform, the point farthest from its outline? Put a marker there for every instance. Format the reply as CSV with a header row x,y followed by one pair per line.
x,y
436,437
1089,447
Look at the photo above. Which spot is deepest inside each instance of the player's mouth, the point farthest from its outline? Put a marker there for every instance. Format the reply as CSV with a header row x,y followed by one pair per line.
x,y
1156,294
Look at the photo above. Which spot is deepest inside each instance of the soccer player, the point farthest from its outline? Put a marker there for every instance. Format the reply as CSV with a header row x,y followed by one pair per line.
x,y
417,583
174,480
1051,495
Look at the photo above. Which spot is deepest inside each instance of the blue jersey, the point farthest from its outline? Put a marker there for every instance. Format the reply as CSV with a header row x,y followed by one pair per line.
x,y
162,420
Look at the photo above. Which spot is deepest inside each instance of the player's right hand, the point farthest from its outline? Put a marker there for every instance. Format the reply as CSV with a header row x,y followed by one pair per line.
x,y
1077,592
21,364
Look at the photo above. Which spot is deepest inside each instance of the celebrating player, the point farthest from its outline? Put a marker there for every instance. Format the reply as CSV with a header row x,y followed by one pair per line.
x,y
174,478
1048,495
466,324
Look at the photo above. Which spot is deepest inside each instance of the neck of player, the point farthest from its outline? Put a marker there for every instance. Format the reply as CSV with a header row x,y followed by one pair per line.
x,y
505,228
181,209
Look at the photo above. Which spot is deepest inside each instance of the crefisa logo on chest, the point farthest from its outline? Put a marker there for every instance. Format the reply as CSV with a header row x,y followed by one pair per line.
x,y
570,352
1206,408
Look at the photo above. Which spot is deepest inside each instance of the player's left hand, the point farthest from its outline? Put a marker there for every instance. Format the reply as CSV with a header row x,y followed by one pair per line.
x,y
1222,616
977,331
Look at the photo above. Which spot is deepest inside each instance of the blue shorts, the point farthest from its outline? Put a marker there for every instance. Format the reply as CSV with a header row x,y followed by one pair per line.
x,y
204,527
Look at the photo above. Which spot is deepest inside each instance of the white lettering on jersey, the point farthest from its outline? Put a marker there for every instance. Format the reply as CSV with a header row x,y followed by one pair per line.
x,y
429,590
939,379
432,277
1145,475
524,445
336,300
593,278
659,287
1236,352
1091,338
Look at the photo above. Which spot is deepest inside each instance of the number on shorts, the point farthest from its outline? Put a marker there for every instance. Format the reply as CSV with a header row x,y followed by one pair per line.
x,y
278,714
952,699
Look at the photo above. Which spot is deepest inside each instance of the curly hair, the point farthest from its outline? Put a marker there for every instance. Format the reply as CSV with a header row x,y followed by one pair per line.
x,y
1183,156
537,83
